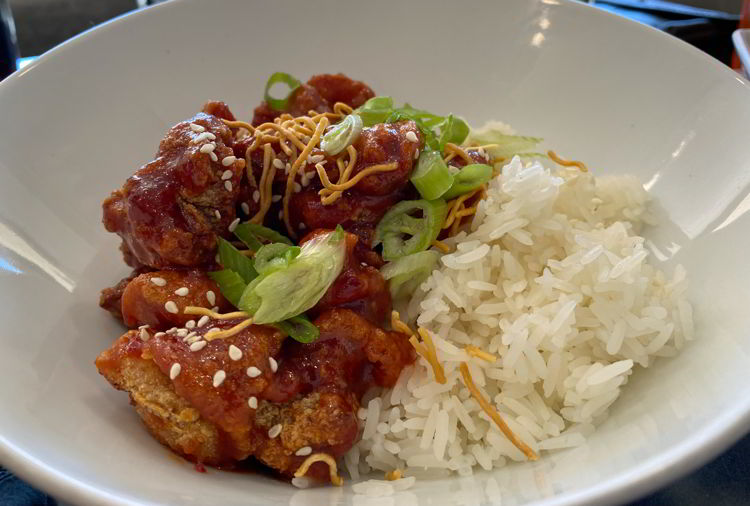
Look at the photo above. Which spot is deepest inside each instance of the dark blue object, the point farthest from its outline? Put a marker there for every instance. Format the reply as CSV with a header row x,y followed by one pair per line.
x,y
8,48
14,492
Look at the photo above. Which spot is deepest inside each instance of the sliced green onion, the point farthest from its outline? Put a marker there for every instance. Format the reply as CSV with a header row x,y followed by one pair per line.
x,y
376,110
409,227
469,178
250,232
405,274
275,256
342,135
230,258
507,145
244,235
453,130
230,283
299,328
430,139
431,178
282,293
280,104
427,118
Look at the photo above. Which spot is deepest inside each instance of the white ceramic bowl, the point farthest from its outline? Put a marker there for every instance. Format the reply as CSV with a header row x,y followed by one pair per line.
x,y
621,96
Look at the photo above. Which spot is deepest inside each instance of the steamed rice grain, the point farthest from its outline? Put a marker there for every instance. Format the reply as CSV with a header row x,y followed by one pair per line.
x,y
552,278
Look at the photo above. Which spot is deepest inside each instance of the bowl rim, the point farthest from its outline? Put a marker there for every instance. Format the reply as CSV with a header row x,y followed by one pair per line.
x,y
653,472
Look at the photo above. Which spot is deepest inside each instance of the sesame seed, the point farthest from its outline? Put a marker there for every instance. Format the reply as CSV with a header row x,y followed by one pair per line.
x,y
227,174
217,258
160,334
275,198
253,371
275,431
203,320
234,224
174,371
219,377
253,402
198,345
215,309
211,297
416,154
217,214
411,136
256,196
228,160
144,335
208,147
301,482
281,215
213,156
190,324
297,188
182,333
278,163
171,307
182,291
196,128
234,352
159,281
301,226
305,182
143,327
228,185
210,136
191,335
303,452
288,168
316,158
274,365
245,208
363,264
173,330
202,137
192,339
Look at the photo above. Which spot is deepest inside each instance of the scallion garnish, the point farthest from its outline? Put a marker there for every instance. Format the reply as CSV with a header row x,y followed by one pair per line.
x,y
409,227
376,110
453,130
469,178
250,233
230,283
405,274
431,177
503,145
342,135
280,104
299,328
286,291
230,258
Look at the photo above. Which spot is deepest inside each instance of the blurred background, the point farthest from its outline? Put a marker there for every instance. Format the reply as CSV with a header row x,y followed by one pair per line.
x,y
31,27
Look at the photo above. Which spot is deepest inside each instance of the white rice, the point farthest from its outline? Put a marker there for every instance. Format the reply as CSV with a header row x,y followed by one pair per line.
x,y
553,279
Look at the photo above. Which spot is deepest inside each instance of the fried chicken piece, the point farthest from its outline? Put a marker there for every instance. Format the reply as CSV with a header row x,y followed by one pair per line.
x,y
325,422
359,210
110,299
127,365
144,302
223,406
171,210
319,94
360,286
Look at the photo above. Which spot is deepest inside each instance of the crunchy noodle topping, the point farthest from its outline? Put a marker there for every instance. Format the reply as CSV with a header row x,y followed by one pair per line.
x,y
320,457
492,413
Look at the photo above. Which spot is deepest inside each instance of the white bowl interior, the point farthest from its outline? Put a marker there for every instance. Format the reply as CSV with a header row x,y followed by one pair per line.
x,y
620,96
